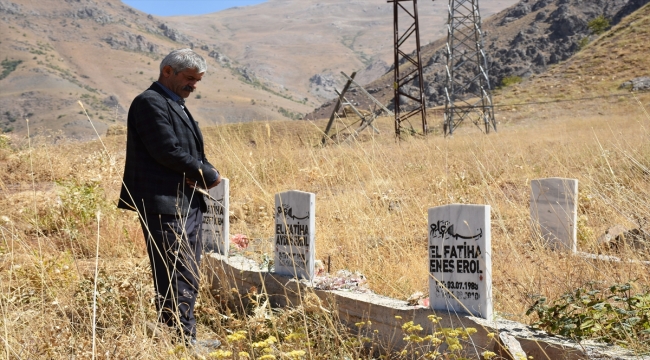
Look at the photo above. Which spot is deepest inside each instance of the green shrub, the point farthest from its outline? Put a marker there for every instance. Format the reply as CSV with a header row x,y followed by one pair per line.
x,y
599,25
8,66
613,315
511,80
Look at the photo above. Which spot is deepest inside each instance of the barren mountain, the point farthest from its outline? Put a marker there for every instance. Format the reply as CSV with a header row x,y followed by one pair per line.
x,y
271,61
303,45
55,53
520,41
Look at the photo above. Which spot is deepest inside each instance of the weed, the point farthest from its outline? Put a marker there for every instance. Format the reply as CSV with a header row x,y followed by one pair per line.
x,y
613,315
511,80
599,25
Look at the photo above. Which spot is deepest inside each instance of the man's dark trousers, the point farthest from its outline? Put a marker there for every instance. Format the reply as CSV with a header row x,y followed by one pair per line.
x,y
174,248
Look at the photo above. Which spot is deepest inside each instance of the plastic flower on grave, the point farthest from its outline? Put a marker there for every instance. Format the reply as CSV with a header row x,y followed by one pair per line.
x,y
241,241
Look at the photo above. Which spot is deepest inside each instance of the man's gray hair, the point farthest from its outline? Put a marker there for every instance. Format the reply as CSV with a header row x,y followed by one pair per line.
x,y
183,59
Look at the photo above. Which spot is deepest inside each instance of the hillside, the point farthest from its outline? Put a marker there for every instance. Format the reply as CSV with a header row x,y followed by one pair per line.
x,y
260,58
524,40
606,66
301,46
104,53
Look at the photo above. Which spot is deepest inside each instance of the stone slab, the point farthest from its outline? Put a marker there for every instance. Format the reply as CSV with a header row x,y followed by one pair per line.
x,y
554,211
295,225
237,277
216,221
460,264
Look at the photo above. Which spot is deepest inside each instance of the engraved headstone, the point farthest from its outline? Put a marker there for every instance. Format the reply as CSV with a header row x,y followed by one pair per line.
x,y
554,211
460,259
295,222
216,221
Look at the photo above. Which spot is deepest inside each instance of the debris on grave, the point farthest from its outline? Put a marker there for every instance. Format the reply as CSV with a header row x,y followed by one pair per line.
x,y
611,236
507,347
319,267
418,298
618,238
241,241
343,280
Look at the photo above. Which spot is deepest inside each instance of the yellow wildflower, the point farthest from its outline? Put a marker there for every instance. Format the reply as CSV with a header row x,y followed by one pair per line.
x,y
296,354
488,354
220,354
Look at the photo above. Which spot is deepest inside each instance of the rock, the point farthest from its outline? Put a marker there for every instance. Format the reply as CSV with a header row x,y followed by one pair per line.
x,y
566,22
247,74
221,58
637,84
619,238
112,101
93,13
541,4
172,34
10,8
131,42
518,11
637,239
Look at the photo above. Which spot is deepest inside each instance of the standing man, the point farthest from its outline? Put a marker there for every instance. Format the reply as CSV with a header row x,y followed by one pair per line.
x,y
165,164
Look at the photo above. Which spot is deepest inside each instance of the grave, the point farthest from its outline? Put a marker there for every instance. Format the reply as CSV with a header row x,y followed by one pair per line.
x,y
216,223
460,264
554,211
294,234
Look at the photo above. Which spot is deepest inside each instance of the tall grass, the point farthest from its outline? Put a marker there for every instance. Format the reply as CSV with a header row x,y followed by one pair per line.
x,y
372,197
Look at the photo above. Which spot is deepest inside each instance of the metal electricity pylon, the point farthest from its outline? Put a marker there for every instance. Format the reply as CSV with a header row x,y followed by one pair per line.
x,y
467,89
408,82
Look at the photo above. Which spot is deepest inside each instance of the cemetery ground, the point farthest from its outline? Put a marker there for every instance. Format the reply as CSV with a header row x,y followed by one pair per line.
x,y
372,196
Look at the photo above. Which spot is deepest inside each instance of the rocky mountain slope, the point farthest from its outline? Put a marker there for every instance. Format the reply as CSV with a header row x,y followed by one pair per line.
x,y
55,53
303,45
520,41
270,61
612,64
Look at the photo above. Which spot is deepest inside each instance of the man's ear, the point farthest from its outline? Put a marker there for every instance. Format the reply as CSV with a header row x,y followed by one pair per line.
x,y
167,71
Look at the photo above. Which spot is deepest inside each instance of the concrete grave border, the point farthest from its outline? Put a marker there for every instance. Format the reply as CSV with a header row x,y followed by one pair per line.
x,y
240,276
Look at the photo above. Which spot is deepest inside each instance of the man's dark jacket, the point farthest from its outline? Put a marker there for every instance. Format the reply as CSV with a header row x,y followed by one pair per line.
x,y
163,147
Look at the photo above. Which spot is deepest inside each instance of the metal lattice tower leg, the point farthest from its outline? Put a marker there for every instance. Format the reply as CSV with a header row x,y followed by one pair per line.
x,y
409,83
467,89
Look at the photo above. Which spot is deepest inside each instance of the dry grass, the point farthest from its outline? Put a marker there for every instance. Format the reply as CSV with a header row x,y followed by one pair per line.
x,y
372,197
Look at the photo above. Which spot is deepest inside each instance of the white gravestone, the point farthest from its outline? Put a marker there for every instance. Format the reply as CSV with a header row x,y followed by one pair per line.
x,y
295,222
216,221
460,258
554,211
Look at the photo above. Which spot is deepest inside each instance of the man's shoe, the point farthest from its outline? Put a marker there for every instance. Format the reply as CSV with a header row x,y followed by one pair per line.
x,y
204,346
